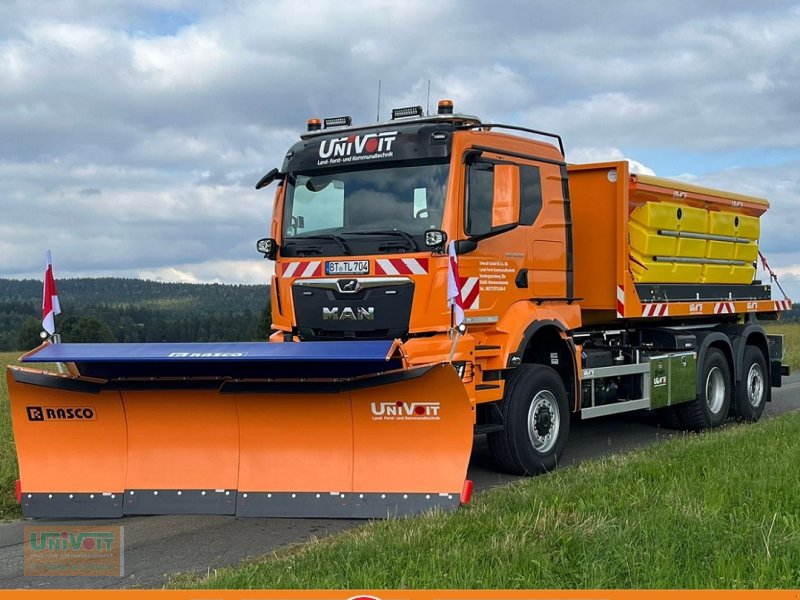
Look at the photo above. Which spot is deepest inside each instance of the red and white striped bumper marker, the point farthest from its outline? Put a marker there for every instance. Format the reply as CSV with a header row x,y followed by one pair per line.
x,y
303,268
401,266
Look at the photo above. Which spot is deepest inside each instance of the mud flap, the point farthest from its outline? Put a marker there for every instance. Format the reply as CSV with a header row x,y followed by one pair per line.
x,y
388,444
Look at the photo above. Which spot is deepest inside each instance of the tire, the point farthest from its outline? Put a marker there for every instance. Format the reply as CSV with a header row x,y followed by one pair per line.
x,y
710,408
536,416
751,393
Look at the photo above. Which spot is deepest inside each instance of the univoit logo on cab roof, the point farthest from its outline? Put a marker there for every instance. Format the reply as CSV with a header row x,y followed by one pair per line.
x,y
368,146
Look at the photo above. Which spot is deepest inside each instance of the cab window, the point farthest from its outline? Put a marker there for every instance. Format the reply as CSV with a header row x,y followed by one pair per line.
x,y
480,192
530,191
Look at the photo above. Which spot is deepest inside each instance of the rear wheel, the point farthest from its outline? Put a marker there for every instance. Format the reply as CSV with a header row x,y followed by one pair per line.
x,y
710,408
536,417
751,393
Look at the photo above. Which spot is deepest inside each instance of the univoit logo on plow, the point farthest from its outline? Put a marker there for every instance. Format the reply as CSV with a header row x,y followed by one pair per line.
x,y
58,413
405,411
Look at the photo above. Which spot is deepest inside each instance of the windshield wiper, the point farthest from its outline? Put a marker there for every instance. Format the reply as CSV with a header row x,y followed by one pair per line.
x,y
323,236
395,232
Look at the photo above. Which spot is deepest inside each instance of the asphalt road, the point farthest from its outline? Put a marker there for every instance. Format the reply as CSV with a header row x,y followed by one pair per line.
x,y
156,547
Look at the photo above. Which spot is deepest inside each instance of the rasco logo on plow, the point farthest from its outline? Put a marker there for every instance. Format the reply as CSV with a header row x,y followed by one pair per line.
x,y
405,411
53,413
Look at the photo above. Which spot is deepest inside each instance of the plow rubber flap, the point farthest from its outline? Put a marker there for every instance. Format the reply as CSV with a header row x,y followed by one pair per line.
x,y
391,444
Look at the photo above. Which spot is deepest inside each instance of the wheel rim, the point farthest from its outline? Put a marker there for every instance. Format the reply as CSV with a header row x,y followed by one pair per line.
x,y
715,390
755,385
544,421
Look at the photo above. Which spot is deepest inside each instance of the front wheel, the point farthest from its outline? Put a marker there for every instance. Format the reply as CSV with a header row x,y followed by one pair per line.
x,y
536,418
751,393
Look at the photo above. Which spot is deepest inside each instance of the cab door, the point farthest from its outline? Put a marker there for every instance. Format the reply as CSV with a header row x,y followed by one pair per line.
x,y
509,257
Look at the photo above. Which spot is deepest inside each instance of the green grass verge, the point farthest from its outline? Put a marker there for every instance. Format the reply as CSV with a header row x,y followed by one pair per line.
x,y
717,510
9,509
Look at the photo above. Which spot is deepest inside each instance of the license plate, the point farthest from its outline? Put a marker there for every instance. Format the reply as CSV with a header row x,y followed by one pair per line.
x,y
347,267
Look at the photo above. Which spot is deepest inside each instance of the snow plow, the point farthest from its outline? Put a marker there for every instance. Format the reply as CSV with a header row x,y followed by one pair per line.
x,y
435,276
319,429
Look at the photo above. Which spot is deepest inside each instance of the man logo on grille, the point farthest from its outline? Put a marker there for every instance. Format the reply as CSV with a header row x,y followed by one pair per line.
x,y
349,286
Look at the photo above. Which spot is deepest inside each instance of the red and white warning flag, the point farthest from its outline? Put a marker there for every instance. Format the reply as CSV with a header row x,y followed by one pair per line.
x,y
50,304
454,299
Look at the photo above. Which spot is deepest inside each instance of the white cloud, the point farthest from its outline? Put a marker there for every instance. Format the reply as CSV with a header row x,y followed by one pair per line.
x,y
218,271
588,155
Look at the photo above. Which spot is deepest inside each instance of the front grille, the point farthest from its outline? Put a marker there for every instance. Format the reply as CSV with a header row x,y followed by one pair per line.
x,y
379,308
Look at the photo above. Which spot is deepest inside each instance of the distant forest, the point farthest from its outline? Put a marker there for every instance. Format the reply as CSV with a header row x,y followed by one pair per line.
x,y
132,310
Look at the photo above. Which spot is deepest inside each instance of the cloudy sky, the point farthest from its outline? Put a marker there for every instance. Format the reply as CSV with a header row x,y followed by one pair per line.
x,y
132,132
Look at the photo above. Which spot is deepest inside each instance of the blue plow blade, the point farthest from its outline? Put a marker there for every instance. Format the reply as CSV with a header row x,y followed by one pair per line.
x,y
240,360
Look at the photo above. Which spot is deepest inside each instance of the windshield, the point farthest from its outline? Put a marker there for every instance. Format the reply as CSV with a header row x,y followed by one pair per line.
x,y
406,198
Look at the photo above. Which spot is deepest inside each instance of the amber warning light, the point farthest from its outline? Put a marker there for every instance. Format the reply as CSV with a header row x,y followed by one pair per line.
x,y
445,107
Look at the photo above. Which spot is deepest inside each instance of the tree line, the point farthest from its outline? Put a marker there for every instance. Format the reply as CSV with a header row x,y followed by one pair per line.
x,y
114,309
131,310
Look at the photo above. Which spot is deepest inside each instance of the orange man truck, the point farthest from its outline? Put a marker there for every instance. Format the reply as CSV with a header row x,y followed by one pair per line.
x,y
586,290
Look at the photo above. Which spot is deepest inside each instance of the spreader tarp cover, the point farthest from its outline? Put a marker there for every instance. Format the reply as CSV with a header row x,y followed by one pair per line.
x,y
335,359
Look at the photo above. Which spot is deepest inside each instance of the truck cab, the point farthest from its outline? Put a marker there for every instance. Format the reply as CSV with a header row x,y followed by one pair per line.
x,y
363,216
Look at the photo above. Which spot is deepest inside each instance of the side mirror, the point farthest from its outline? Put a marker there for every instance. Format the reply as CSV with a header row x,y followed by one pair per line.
x,y
271,176
505,209
466,246
268,247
